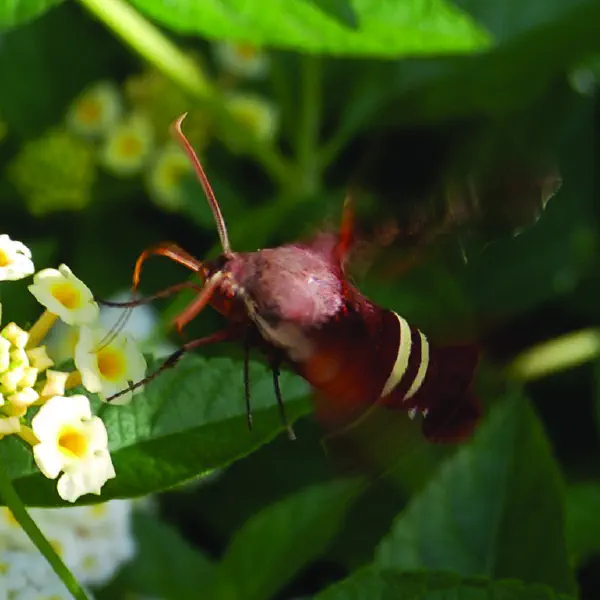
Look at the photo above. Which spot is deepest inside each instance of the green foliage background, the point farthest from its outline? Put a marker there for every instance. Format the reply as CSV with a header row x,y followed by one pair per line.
x,y
399,97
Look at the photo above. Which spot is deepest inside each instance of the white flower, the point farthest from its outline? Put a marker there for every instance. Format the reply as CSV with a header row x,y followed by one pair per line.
x,y
93,541
5,347
15,259
15,335
166,176
54,384
29,378
64,295
19,358
96,110
27,575
107,366
243,60
254,113
9,381
101,556
38,358
128,146
23,398
73,441
9,425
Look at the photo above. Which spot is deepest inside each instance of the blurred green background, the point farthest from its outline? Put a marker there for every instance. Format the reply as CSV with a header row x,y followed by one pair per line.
x,y
448,120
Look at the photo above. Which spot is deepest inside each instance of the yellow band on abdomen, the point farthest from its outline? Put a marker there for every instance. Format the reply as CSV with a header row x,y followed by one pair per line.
x,y
401,363
420,377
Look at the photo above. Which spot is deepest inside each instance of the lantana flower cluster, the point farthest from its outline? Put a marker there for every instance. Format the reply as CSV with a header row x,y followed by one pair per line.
x,y
124,130
93,541
69,443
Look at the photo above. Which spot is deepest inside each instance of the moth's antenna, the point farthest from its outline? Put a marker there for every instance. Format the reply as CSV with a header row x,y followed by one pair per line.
x,y
210,196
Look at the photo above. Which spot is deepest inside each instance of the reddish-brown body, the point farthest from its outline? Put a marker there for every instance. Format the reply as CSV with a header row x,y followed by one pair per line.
x,y
308,315
296,304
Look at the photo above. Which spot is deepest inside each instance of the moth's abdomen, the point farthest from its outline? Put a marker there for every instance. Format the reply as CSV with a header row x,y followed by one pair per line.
x,y
434,381
375,356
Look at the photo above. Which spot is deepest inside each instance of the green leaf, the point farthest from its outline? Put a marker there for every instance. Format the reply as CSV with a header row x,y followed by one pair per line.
x,y
281,539
583,520
387,28
17,12
187,422
165,564
388,584
495,509
341,10
525,65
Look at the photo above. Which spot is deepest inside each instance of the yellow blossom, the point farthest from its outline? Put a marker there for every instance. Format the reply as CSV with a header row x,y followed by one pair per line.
x,y
256,116
96,110
107,368
38,358
73,441
242,59
128,146
15,335
54,384
15,259
166,177
63,294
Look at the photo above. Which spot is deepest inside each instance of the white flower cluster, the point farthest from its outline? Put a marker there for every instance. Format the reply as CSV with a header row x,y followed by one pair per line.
x,y
242,59
127,142
93,541
64,434
127,124
256,115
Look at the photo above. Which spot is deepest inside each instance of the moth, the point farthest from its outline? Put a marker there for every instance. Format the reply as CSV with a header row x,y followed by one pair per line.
x,y
297,305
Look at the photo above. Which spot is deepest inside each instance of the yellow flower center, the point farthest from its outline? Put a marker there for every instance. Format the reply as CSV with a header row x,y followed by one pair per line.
x,y
67,295
129,145
4,259
90,562
250,117
111,363
90,110
174,173
245,51
98,510
72,442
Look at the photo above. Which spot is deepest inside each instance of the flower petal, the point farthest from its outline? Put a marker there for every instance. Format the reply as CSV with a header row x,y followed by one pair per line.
x,y
48,459
65,295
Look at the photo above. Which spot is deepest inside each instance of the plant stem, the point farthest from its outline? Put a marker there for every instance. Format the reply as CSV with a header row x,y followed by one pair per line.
x,y
40,328
148,41
283,92
567,351
27,435
13,502
332,148
307,141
